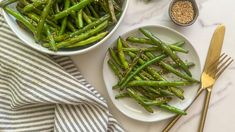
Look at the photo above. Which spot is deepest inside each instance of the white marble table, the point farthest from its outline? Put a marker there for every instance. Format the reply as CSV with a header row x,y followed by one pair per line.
x,y
222,109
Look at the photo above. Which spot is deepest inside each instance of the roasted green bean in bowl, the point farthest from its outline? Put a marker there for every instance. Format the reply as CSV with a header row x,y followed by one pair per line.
x,y
64,27
151,73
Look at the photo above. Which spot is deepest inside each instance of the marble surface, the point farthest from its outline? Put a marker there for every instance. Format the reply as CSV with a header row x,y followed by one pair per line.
x,y
212,12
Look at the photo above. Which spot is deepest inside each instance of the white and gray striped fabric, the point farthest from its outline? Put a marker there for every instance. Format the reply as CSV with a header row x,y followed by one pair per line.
x,y
41,94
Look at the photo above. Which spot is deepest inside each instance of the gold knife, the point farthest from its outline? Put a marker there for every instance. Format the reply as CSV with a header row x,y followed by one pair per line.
x,y
212,55
215,46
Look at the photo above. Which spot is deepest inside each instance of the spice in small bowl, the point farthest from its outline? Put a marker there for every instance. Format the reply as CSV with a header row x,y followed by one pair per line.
x,y
183,12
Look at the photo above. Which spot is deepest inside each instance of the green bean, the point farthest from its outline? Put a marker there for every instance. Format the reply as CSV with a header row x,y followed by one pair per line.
x,y
115,69
111,11
80,19
114,56
176,72
57,8
93,11
96,8
150,55
172,109
7,2
92,25
122,95
178,49
170,90
116,6
130,68
43,17
93,18
37,11
121,54
151,70
189,64
51,38
21,25
179,44
76,7
156,102
166,92
153,90
86,18
149,41
65,20
87,11
177,92
127,79
148,92
83,36
142,76
104,5
174,47
164,71
70,26
83,30
36,18
146,74
135,96
133,49
88,40
20,18
158,83
34,5
139,40
74,14
167,50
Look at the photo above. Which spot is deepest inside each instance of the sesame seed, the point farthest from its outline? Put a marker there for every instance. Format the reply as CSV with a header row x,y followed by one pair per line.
x,y
182,12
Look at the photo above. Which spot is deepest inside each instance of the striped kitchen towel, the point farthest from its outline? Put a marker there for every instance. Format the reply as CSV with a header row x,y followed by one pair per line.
x,y
39,93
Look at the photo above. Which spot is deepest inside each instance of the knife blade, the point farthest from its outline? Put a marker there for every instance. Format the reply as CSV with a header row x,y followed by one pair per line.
x,y
212,57
215,46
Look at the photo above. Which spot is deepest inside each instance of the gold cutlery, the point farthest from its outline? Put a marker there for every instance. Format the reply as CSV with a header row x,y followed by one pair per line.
x,y
210,77
214,66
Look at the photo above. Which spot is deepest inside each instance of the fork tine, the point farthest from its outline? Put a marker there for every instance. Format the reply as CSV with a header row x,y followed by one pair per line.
x,y
220,65
213,64
222,70
213,67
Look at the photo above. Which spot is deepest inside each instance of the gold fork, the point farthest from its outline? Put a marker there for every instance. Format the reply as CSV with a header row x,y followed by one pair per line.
x,y
208,79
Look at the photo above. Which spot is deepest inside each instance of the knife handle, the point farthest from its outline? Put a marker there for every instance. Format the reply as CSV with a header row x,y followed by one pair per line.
x,y
204,112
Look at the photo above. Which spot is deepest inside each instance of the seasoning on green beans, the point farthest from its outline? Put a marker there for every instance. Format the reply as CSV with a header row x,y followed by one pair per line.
x,y
167,50
59,25
142,65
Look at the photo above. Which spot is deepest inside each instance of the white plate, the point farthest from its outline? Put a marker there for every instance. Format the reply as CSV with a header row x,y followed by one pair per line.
x,y
28,38
128,106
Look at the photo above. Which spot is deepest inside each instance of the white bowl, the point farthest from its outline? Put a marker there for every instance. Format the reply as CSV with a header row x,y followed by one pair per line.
x,y
28,38
132,109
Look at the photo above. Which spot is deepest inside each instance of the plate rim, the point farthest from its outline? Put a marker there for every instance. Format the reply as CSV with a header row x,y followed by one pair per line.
x,y
130,30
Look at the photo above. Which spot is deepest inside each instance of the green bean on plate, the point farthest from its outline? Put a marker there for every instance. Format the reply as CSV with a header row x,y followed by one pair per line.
x,y
151,71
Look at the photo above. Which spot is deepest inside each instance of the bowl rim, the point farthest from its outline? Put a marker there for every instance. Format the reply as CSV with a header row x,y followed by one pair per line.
x,y
67,53
131,30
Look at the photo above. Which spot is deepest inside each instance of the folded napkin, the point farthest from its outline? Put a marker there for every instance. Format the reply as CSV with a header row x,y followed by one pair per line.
x,y
41,93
